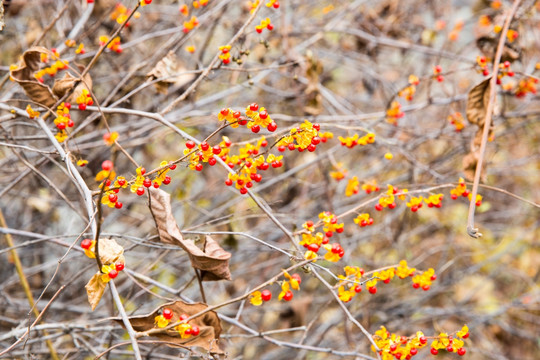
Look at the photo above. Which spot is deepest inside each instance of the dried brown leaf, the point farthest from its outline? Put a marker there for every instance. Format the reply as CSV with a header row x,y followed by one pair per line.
x,y
477,103
110,252
213,261
209,325
95,289
167,68
24,76
66,84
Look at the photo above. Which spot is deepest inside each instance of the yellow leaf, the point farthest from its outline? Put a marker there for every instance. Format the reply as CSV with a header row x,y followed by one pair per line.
x,y
95,289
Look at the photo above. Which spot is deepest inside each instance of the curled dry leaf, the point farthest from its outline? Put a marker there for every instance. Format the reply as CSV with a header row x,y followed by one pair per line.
x,y
208,323
168,68
212,260
95,289
477,102
109,253
24,76
66,84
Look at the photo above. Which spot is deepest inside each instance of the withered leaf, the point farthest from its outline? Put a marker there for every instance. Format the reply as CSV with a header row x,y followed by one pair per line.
x,y
95,289
24,76
110,252
66,84
213,261
209,325
477,102
167,68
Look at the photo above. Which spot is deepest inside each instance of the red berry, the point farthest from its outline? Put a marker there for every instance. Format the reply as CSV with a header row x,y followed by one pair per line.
x,y
167,313
113,198
461,351
440,78
416,285
437,69
466,335
190,144
414,208
434,351
266,295
263,114
378,207
70,123
316,140
255,128
118,205
314,247
317,126
156,185
82,107
236,115
167,180
270,27
425,287
450,348
510,73
291,147
147,2
243,190
433,277
249,184
86,244
288,295
276,5
392,206
258,30
254,107
393,347
107,165
224,112
147,182
216,149
199,167
113,273
386,281
183,317
61,126
195,330
372,290
204,146
140,191
453,196
119,266
212,161
272,127
297,278
311,148
228,182
264,143
485,72
257,177
188,331
357,288
413,351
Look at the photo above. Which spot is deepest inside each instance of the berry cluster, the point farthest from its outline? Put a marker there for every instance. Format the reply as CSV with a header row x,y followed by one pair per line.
x,y
461,190
184,329
393,346
363,220
265,23
114,45
306,136
457,120
354,140
191,24
225,55
394,113
437,70
109,271
84,99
